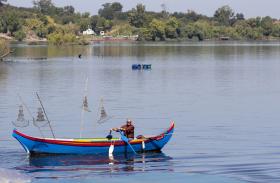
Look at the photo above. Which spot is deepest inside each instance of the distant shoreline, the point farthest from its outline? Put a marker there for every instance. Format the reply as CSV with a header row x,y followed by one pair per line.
x,y
63,25
40,42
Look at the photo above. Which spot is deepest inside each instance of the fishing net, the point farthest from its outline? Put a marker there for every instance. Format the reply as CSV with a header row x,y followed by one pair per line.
x,y
20,121
85,104
103,117
40,120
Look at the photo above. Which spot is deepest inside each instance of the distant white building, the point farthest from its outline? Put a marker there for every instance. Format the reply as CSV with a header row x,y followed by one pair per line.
x,y
102,33
88,32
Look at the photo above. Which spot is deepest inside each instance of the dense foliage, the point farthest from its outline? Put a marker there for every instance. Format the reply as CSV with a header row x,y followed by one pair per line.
x,y
61,25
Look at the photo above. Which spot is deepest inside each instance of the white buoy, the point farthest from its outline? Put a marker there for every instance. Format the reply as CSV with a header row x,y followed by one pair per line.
x,y
143,145
111,150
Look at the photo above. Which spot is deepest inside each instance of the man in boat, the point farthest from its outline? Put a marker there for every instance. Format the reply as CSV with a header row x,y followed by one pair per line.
x,y
128,129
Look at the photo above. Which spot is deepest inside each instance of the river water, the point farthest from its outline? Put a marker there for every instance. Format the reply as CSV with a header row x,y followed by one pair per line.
x,y
223,96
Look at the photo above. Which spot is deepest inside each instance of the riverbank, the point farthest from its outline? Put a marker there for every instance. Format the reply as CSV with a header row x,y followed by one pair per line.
x,y
87,40
62,25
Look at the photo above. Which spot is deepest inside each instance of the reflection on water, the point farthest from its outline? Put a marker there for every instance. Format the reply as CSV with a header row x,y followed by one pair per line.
x,y
218,50
78,165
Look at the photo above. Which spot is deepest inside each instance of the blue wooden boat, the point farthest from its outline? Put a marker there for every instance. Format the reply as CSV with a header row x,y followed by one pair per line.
x,y
35,145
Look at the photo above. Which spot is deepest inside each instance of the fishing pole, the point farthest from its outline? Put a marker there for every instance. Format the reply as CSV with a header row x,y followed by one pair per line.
x,y
45,114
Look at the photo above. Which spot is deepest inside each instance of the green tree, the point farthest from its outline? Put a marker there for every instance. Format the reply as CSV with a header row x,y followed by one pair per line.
x,y
189,31
44,6
13,22
2,25
199,29
224,15
116,7
84,24
33,23
110,10
242,28
254,22
192,16
246,31
122,29
145,34
63,35
20,35
172,28
137,17
100,24
93,22
42,32
157,28
239,16
85,15
276,30
68,10
267,24
203,30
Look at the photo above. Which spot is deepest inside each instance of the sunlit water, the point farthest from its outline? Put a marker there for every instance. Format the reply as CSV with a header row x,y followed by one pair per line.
x,y
224,98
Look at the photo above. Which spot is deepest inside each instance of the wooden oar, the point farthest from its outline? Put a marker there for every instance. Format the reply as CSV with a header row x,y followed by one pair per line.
x,y
126,140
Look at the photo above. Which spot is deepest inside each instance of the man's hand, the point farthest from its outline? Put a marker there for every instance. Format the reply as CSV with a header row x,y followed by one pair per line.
x,y
118,129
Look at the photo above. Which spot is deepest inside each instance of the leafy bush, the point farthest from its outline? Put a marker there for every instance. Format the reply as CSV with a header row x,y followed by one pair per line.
x,y
60,38
20,35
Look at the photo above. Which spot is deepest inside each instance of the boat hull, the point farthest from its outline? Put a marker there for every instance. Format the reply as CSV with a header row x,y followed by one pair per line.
x,y
33,145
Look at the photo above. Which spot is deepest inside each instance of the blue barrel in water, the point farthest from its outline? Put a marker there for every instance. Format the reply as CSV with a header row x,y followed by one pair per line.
x,y
136,67
146,66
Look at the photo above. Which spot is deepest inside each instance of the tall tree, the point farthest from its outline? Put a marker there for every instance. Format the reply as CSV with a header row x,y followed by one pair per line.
x,y
110,10
172,28
267,24
157,28
137,17
116,7
69,10
224,15
239,16
12,22
44,6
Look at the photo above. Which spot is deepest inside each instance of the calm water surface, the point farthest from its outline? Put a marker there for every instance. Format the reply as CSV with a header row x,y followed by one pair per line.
x,y
224,98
